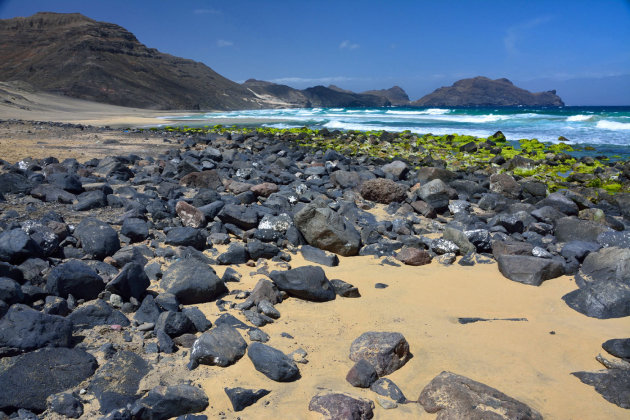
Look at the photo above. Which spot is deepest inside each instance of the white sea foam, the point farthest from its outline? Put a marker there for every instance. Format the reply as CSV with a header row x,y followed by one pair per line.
x,y
430,111
579,117
613,125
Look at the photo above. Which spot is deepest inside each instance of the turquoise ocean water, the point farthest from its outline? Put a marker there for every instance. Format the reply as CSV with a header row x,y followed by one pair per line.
x,y
606,128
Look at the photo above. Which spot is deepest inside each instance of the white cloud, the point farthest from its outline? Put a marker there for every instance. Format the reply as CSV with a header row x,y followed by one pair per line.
x,y
348,45
206,12
222,43
519,31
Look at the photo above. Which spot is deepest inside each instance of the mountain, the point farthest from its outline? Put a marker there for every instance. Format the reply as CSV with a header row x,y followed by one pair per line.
x,y
481,91
396,95
82,58
317,96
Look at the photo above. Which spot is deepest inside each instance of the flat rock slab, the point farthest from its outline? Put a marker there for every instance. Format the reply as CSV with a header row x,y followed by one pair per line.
x,y
612,384
273,363
342,406
165,402
96,312
529,270
386,351
29,379
602,299
309,282
116,383
242,398
221,346
319,256
454,396
23,329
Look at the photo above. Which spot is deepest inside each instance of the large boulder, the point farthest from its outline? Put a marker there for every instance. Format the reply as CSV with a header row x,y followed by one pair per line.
x,y
386,351
609,264
601,299
342,406
457,397
221,346
192,281
74,278
273,363
165,402
571,229
505,184
309,282
612,384
23,329
97,238
29,379
529,270
382,190
325,229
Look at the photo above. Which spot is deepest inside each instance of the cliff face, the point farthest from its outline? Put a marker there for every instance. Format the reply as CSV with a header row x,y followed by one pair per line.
x,y
481,91
396,95
79,57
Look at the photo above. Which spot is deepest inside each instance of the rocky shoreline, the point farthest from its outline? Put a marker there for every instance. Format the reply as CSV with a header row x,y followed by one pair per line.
x,y
103,263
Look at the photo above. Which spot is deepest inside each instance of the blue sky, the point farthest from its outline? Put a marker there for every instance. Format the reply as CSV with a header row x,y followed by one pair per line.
x,y
580,48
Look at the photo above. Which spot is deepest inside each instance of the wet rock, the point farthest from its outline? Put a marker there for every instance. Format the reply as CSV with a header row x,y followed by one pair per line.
x,y
66,404
362,374
132,281
612,384
115,384
273,363
186,236
97,238
602,299
387,388
325,229
29,379
528,269
309,283
23,329
342,406
457,397
382,190
386,351
319,256
242,398
94,313
16,246
165,402
413,256
192,281
221,346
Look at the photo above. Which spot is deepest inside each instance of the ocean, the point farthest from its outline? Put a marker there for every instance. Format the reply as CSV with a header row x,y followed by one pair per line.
x,y
606,128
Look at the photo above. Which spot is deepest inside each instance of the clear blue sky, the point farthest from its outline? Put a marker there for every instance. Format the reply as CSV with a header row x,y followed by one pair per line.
x,y
580,48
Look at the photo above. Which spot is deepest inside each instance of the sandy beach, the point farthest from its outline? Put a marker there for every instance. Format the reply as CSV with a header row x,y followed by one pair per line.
x,y
529,360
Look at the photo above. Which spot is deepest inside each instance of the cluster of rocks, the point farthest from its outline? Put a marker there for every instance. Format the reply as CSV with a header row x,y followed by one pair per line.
x,y
84,247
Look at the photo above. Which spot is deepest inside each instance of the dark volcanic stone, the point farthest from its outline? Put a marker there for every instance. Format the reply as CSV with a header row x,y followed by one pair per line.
x,y
242,216
23,328
325,229
257,249
14,183
186,236
164,341
132,281
387,388
115,384
235,254
602,299
173,323
273,363
579,249
90,200
319,256
342,406
192,281
362,374
205,179
94,313
413,256
16,246
242,398
74,278
457,397
561,203
612,384
165,402
505,184
10,291
221,346
344,289
309,282
511,248
135,229
97,238
29,379
386,351
529,270
571,229
383,191
67,404
435,194
148,311
619,347
198,319
607,264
